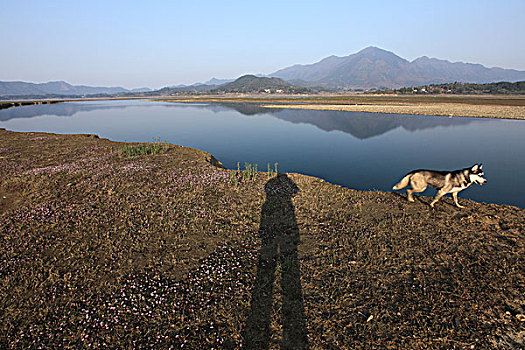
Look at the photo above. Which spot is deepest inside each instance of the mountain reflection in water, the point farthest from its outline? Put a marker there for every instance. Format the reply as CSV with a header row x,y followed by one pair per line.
x,y
59,109
358,124
361,125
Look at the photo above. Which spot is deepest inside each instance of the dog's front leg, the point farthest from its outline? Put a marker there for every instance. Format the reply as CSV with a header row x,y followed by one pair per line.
x,y
455,196
440,194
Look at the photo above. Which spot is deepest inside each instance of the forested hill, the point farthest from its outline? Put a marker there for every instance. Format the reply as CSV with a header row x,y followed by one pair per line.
x,y
253,84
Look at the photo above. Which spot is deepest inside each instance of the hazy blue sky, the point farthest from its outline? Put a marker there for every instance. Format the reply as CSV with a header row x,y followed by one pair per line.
x,y
159,43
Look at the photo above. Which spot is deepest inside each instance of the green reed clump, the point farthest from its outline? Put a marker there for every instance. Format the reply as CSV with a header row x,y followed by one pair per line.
x,y
250,172
271,172
157,146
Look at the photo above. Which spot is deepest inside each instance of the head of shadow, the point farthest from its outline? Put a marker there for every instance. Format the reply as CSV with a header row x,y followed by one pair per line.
x,y
278,266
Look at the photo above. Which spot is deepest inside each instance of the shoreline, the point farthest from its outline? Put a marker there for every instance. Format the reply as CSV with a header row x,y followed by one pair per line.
x,y
212,160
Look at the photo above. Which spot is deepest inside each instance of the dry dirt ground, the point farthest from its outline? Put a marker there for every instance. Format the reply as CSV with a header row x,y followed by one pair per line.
x,y
99,249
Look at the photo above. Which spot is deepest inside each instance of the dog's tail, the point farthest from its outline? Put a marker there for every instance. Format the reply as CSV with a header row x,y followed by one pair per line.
x,y
403,183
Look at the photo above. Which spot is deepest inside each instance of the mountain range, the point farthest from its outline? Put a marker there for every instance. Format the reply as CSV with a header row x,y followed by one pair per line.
x,y
377,68
60,88
370,68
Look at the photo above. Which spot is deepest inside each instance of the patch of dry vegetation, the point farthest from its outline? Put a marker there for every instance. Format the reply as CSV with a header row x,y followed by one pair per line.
x,y
106,250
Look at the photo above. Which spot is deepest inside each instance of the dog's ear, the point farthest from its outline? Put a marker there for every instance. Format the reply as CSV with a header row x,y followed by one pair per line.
x,y
475,167
480,166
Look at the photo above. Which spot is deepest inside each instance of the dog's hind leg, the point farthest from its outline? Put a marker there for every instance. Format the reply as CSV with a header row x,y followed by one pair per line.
x,y
410,198
417,184
414,190
455,196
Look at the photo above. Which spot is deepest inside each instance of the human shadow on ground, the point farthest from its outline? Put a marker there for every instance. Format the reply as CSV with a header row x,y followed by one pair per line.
x,y
277,258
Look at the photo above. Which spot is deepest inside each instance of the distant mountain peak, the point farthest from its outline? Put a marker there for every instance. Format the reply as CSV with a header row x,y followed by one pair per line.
x,y
215,81
373,52
428,59
372,49
246,77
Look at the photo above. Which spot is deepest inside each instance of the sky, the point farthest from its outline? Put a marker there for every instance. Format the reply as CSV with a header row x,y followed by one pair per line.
x,y
154,43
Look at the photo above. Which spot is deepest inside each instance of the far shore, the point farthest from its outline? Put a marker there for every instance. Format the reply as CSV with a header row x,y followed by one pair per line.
x,y
480,106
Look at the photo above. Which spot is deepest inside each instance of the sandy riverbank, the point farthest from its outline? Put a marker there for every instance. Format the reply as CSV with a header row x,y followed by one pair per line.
x,y
491,106
443,109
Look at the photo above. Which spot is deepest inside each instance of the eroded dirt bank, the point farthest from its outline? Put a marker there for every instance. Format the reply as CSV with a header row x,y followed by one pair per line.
x,y
99,249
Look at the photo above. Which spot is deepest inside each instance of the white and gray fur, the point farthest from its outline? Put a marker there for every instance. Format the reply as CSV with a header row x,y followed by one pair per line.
x,y
443,181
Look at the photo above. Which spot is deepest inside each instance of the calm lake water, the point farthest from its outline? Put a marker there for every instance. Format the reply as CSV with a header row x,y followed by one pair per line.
x,y
364,151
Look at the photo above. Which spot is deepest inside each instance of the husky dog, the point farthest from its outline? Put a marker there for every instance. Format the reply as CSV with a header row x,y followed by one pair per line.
x,y
443,181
